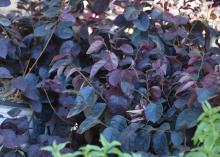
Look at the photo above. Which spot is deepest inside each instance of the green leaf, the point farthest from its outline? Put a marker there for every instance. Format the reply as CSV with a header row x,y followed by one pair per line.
x,y
93,147
5,22
196,154
116,151
88,123
47,148
96,154
153,112
142,23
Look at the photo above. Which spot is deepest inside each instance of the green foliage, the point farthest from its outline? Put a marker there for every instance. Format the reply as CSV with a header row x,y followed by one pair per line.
x,y
207,135
90,150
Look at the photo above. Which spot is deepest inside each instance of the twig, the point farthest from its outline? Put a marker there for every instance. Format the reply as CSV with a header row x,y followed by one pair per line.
x,y
202,62
26,69
87,80
54,108
45,46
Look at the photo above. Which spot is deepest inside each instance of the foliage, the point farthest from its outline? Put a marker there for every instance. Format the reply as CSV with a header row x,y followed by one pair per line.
x,y
90,150
207,135
133,71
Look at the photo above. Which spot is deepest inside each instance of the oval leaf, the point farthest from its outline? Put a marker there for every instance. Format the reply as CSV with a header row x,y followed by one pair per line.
x,y
4,73
142,23
5,3
153,112
95,46
186,119
86,98
177,138
88,123
96,67
118,104
160,144
5,22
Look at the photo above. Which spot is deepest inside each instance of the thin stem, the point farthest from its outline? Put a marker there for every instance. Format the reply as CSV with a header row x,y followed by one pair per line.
x,y
87,80
54,108
202,62
45,46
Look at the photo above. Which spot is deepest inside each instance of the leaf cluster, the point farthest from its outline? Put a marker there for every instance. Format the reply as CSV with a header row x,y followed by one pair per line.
x,y
134,71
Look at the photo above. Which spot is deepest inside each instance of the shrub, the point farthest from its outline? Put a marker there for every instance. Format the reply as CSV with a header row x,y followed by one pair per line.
x,y
134,71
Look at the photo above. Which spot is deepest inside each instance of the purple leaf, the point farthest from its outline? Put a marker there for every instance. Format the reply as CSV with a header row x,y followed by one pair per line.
x,y
71,71
32,93
180,103
131,13
99,6
156,13
142,23
70,48
155,92
153,112
87,124
36,106
5,3
126,61
168,17
3,48
115,77
96,67
67,16
95,46
5,22
9,136
181,31
111,61
4,73
21,139
127,89
14,112
185,86
63,30
33,150
118,104
169,35
20,83
181,20
127,49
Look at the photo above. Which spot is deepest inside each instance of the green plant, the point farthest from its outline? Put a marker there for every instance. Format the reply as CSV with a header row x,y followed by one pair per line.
x,y
207,135
90,150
